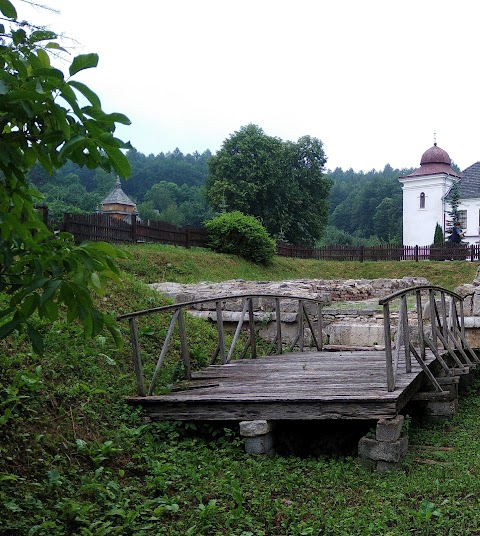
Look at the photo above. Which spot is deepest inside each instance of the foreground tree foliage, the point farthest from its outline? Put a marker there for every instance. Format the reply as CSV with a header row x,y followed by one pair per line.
x,y
42,120
281,183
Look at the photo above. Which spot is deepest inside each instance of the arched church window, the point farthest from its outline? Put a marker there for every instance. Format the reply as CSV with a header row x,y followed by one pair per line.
x,y
422,200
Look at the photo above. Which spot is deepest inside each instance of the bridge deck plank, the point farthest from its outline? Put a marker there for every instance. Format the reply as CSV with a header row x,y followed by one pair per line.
x,y
303,386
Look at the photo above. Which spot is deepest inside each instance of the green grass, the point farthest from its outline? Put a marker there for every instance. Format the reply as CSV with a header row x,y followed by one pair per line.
x,y
76,460
155,263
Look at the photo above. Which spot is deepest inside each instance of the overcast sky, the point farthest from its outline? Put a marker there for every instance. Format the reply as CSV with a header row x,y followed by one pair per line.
x,y
372,79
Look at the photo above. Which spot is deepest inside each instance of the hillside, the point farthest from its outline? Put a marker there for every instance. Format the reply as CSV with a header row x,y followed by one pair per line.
x,y
76,460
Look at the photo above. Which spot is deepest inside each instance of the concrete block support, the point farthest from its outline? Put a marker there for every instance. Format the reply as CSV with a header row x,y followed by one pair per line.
x,y
442,410
386,452
258,437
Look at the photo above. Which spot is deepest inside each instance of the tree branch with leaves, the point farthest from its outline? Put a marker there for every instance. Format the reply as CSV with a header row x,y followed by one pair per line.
x,y
49,118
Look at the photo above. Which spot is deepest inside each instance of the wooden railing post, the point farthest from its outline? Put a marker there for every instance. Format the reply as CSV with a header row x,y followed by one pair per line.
x,y
278,320
301,332
183,344
388,347
137,361
421,332
320,326
221,340
406,335
416,253
251,325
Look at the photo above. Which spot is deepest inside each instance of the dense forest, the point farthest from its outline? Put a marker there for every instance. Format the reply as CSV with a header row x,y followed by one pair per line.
x,y
365,207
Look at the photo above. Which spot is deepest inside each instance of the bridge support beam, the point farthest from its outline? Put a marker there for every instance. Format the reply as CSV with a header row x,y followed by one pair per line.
x,y
258,437
387,451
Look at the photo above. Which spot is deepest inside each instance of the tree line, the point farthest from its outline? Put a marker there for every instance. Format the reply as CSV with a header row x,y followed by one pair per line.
x,y
284,184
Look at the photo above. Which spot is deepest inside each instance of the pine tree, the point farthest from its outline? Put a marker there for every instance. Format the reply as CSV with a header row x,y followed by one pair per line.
x,y
453,213
438,236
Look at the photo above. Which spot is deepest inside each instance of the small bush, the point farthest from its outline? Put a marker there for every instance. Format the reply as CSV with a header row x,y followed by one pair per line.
x,y
242,235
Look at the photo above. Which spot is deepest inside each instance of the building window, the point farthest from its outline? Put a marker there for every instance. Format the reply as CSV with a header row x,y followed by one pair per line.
x,y
422,200
462,218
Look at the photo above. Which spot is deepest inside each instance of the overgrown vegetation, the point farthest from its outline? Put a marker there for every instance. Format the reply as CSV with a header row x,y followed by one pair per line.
x,y
76,460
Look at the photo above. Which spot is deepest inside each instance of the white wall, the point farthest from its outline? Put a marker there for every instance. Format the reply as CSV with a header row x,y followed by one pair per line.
x,y
472,206
419,223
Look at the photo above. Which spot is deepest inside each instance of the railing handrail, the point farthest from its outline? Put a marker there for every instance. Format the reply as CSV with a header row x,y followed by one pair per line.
x,y
167,308
400,293
447,328
248,310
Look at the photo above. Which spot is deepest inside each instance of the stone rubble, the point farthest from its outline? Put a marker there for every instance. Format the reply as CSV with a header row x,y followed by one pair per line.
x,y
359,325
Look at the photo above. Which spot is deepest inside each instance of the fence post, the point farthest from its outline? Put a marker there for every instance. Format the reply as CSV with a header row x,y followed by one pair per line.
x,y
66,219
472,253
44,210
188,237
362,253
416,253
134,227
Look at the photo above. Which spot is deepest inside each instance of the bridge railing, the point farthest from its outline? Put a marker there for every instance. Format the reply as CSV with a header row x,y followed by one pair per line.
x,y
250,317
442,331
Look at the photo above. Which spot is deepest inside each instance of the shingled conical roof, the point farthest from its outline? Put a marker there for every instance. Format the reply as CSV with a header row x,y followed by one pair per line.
x,y
118,197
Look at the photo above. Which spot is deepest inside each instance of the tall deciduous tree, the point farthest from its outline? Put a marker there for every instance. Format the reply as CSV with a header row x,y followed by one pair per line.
x,y
42,119
281,183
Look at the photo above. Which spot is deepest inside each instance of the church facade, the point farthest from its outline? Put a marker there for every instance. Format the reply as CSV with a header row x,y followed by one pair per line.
x,y
425,198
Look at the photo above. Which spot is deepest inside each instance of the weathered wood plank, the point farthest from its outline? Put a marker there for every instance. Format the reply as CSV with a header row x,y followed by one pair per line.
x,y
307,386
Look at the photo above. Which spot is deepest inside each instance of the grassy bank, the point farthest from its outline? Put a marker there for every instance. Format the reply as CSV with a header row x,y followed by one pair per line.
x,y
155,263
75,460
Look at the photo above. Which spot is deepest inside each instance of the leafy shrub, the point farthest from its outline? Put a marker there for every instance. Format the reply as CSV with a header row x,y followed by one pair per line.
x,y
234,232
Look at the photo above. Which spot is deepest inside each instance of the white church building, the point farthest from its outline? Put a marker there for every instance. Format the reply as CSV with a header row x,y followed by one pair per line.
x,y
425,202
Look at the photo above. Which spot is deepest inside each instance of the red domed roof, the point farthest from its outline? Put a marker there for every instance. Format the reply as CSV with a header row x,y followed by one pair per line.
x,y
433,162
435,155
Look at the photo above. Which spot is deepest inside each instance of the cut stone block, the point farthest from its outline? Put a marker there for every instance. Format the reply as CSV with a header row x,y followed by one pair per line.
x,y
255,428
442,409
262,444
382,450
390,429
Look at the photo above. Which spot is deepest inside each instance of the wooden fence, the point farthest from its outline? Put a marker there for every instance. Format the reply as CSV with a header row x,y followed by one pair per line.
x,y
95,227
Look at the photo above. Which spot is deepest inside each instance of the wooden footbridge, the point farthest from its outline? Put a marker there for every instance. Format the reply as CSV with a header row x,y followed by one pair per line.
x,y
425,347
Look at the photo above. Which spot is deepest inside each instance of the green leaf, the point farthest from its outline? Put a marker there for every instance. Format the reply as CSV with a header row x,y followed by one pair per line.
x,y
18,37
36,339
49,290
96,280
9,327
87,93
55,46
42,35
43,57
29,305
119,161
84,61
114,330
8,9
119,118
